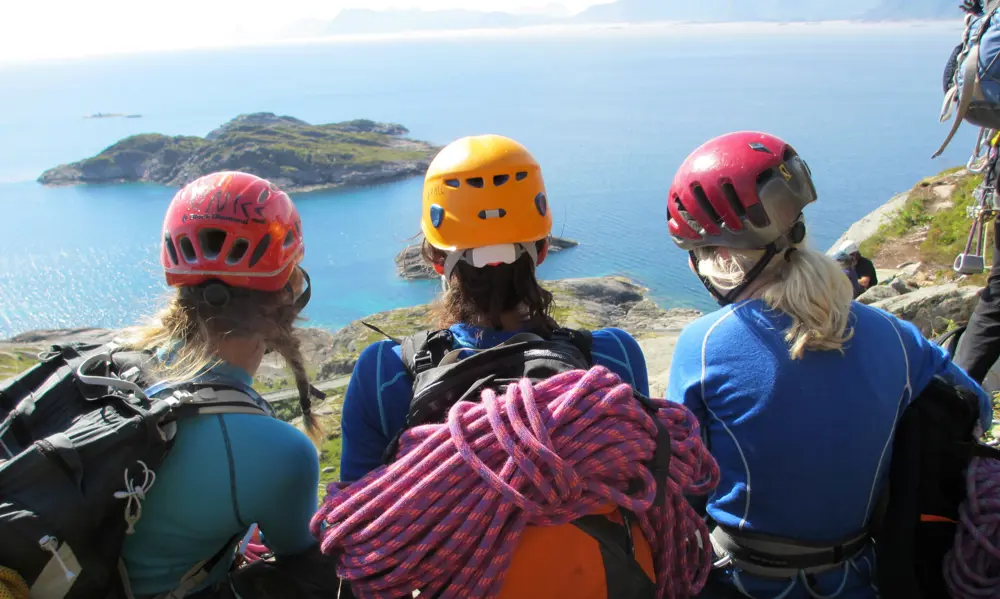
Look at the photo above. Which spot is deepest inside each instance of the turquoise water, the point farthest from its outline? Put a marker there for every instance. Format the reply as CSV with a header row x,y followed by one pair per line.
x,y
609,115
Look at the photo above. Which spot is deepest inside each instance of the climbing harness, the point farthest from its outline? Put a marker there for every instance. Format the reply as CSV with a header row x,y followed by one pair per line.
x,y
445,517
984,160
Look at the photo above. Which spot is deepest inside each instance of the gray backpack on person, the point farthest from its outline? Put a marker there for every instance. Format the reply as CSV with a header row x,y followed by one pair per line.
x,y
80,441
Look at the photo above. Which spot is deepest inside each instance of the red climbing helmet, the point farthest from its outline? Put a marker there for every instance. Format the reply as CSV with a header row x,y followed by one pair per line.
x,y
741,190
231,227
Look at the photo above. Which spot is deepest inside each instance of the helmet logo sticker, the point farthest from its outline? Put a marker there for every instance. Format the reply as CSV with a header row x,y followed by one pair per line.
x,y
784,172
437,215
541,203
759,147
496,213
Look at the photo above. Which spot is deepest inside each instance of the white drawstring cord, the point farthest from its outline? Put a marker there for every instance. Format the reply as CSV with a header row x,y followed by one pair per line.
x,y
135,496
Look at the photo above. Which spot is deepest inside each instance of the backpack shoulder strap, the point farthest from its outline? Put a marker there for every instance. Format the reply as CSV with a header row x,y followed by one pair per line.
x,y
425,350
624,576
970,76
213,395
583,340
970,80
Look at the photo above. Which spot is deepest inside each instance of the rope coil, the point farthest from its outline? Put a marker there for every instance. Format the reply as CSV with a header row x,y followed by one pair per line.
x,y
447,515
972,567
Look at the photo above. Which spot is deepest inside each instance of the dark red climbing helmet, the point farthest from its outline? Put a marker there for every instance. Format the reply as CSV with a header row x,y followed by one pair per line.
x,y
742,190
231,227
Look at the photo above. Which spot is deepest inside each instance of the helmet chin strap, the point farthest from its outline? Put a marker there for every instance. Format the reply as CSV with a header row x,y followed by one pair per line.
x,y
784,243
725,299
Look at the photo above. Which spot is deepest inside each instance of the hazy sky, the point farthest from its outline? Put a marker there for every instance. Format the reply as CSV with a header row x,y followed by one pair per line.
x,y
38,29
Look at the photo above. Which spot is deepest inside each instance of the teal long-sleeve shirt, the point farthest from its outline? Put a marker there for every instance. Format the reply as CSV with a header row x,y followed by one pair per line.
x,y
224,473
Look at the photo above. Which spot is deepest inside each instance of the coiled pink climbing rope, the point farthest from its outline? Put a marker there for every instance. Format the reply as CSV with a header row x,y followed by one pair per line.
x,y
972,567
448,513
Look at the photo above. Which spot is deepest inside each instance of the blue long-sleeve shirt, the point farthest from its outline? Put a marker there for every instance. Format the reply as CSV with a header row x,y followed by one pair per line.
x,y
224,473
803,446
379,393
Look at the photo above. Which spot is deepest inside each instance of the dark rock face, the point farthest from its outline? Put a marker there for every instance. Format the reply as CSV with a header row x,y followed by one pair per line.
x,y
289,152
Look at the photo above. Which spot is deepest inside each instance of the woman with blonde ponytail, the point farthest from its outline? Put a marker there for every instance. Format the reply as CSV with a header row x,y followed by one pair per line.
x,y
232,247
798,388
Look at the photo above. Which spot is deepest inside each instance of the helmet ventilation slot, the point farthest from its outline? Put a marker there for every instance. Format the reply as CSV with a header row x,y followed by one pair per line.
x,y
706,206
187,249
211,242
734,200
685,215
258,252
237,251
169,244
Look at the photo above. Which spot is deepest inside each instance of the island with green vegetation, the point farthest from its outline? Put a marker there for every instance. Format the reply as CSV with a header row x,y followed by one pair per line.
x,y
292,153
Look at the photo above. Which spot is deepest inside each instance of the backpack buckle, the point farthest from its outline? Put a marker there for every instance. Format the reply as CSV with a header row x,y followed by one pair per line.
x,y
423,361
562,335
179,398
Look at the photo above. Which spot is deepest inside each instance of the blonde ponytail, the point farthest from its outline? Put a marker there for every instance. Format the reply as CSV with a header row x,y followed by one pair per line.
x,y
808,286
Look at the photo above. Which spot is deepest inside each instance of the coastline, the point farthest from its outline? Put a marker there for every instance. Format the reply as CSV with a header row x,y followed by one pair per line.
x,y
396,178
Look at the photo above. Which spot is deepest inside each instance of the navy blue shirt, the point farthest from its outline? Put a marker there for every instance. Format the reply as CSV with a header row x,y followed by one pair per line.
x,y
378,396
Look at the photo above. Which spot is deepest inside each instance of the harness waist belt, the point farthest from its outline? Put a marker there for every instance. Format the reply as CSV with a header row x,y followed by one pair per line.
x,y
777,557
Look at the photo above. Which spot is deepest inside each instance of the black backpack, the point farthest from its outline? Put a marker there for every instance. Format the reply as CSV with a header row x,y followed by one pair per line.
x,y
79,442
933,446
441,379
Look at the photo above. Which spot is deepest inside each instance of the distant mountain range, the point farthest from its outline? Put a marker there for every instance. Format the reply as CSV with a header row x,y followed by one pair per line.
x,y
637,11
363,20
914,9
728,10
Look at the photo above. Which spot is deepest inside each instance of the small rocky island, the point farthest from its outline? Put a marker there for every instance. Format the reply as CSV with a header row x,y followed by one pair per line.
x,y
410,264
292,153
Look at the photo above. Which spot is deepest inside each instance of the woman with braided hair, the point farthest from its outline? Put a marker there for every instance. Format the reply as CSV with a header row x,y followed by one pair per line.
x,y
524,487
231,247
798,389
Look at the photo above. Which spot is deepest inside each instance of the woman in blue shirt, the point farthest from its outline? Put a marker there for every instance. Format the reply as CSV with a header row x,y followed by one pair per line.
x,y
797,387
486,223
232,244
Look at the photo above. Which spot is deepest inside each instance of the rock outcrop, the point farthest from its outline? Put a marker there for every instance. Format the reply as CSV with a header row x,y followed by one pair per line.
x,y
933,309
291,153
589,303
410,264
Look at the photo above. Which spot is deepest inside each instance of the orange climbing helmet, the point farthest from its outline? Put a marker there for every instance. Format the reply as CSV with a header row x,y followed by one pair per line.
x,y
485,203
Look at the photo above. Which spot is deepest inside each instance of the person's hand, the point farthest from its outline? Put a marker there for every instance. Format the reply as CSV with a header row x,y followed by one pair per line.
x,y
972,7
